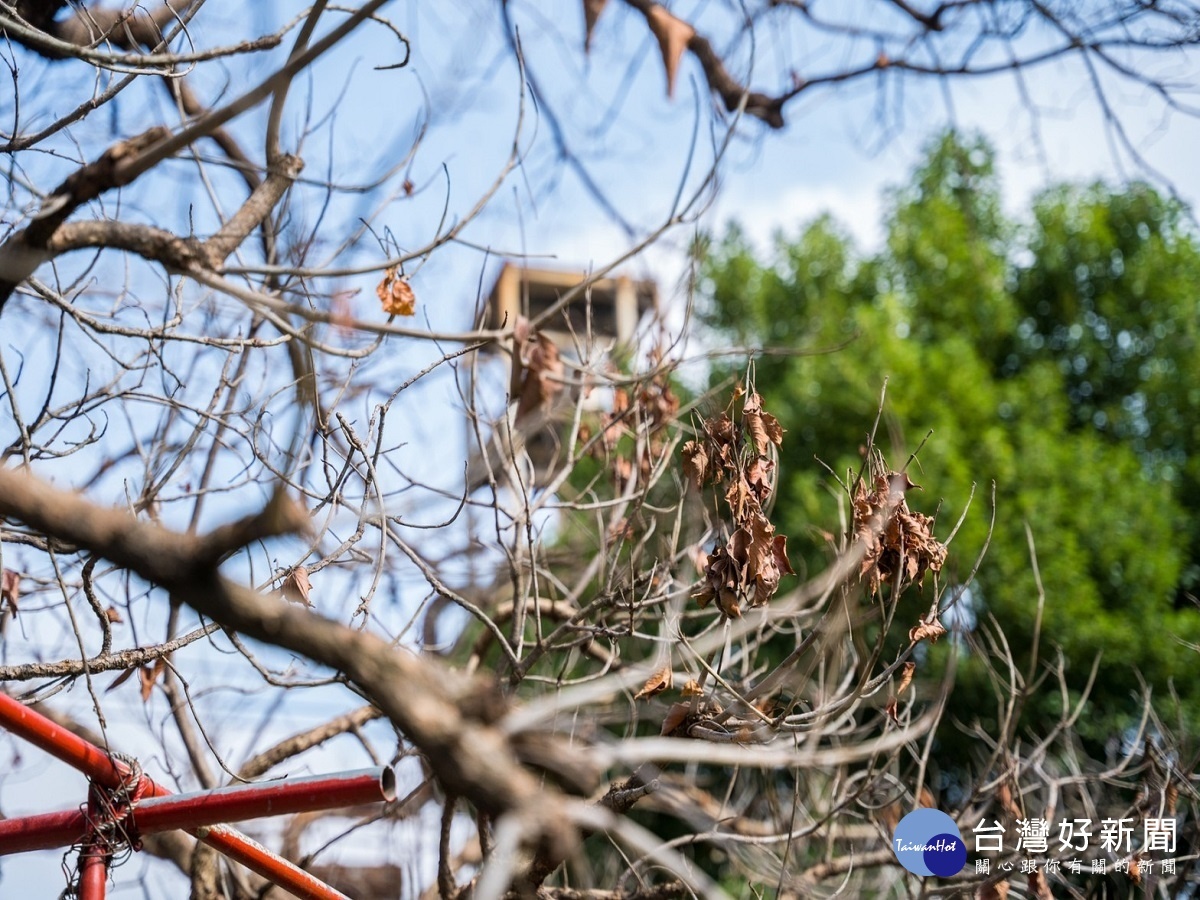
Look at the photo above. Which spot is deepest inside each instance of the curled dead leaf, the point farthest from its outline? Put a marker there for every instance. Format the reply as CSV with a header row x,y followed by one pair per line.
x,y
695,462
656,683
906,677
113,615
892,710
692,689
396,294
763,427
926,630
296,586
758,478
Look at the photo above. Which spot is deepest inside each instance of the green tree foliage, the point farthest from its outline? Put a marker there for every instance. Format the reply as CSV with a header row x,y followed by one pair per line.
x,y
1057,359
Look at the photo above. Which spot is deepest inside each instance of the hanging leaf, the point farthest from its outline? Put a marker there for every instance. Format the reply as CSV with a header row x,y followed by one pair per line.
x,y
763,427
148,675
10,589
542,374
673,36
296,586
695,462
656,683
591,12
891,708
121,679
396,295
906,676
923,630
692,689
113,615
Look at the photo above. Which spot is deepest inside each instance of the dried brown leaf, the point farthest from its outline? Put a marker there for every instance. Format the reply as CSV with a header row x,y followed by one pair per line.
x,y
10,589
296,586
692,689
675,717
779,548
673,35
719,429
758,477
906,677
695,462
542,375
931,630
1039,888
148,675
656,683
1004,797
121,679
113,615
396,294
773,429
739,497
727,601
892,710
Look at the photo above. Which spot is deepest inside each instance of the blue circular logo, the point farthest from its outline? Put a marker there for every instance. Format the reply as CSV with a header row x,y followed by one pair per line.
x,y
927,842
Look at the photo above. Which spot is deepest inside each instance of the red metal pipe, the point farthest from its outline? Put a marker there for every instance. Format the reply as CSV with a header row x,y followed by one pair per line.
x,y
202,808
93,873
96,855
272,798
102,769
56,829
60,743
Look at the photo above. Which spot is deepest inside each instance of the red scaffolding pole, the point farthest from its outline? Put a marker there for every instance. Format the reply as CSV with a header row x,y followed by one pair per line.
x,y
121,798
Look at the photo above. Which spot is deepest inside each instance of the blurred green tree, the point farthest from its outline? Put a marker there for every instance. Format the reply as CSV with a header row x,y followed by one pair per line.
x,y
1058,359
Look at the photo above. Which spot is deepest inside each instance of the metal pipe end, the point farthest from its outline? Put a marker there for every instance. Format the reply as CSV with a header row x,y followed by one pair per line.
x,y
387,783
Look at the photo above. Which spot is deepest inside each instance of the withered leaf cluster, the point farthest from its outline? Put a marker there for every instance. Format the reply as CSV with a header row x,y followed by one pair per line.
x,y
646,408
732,453
896,542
